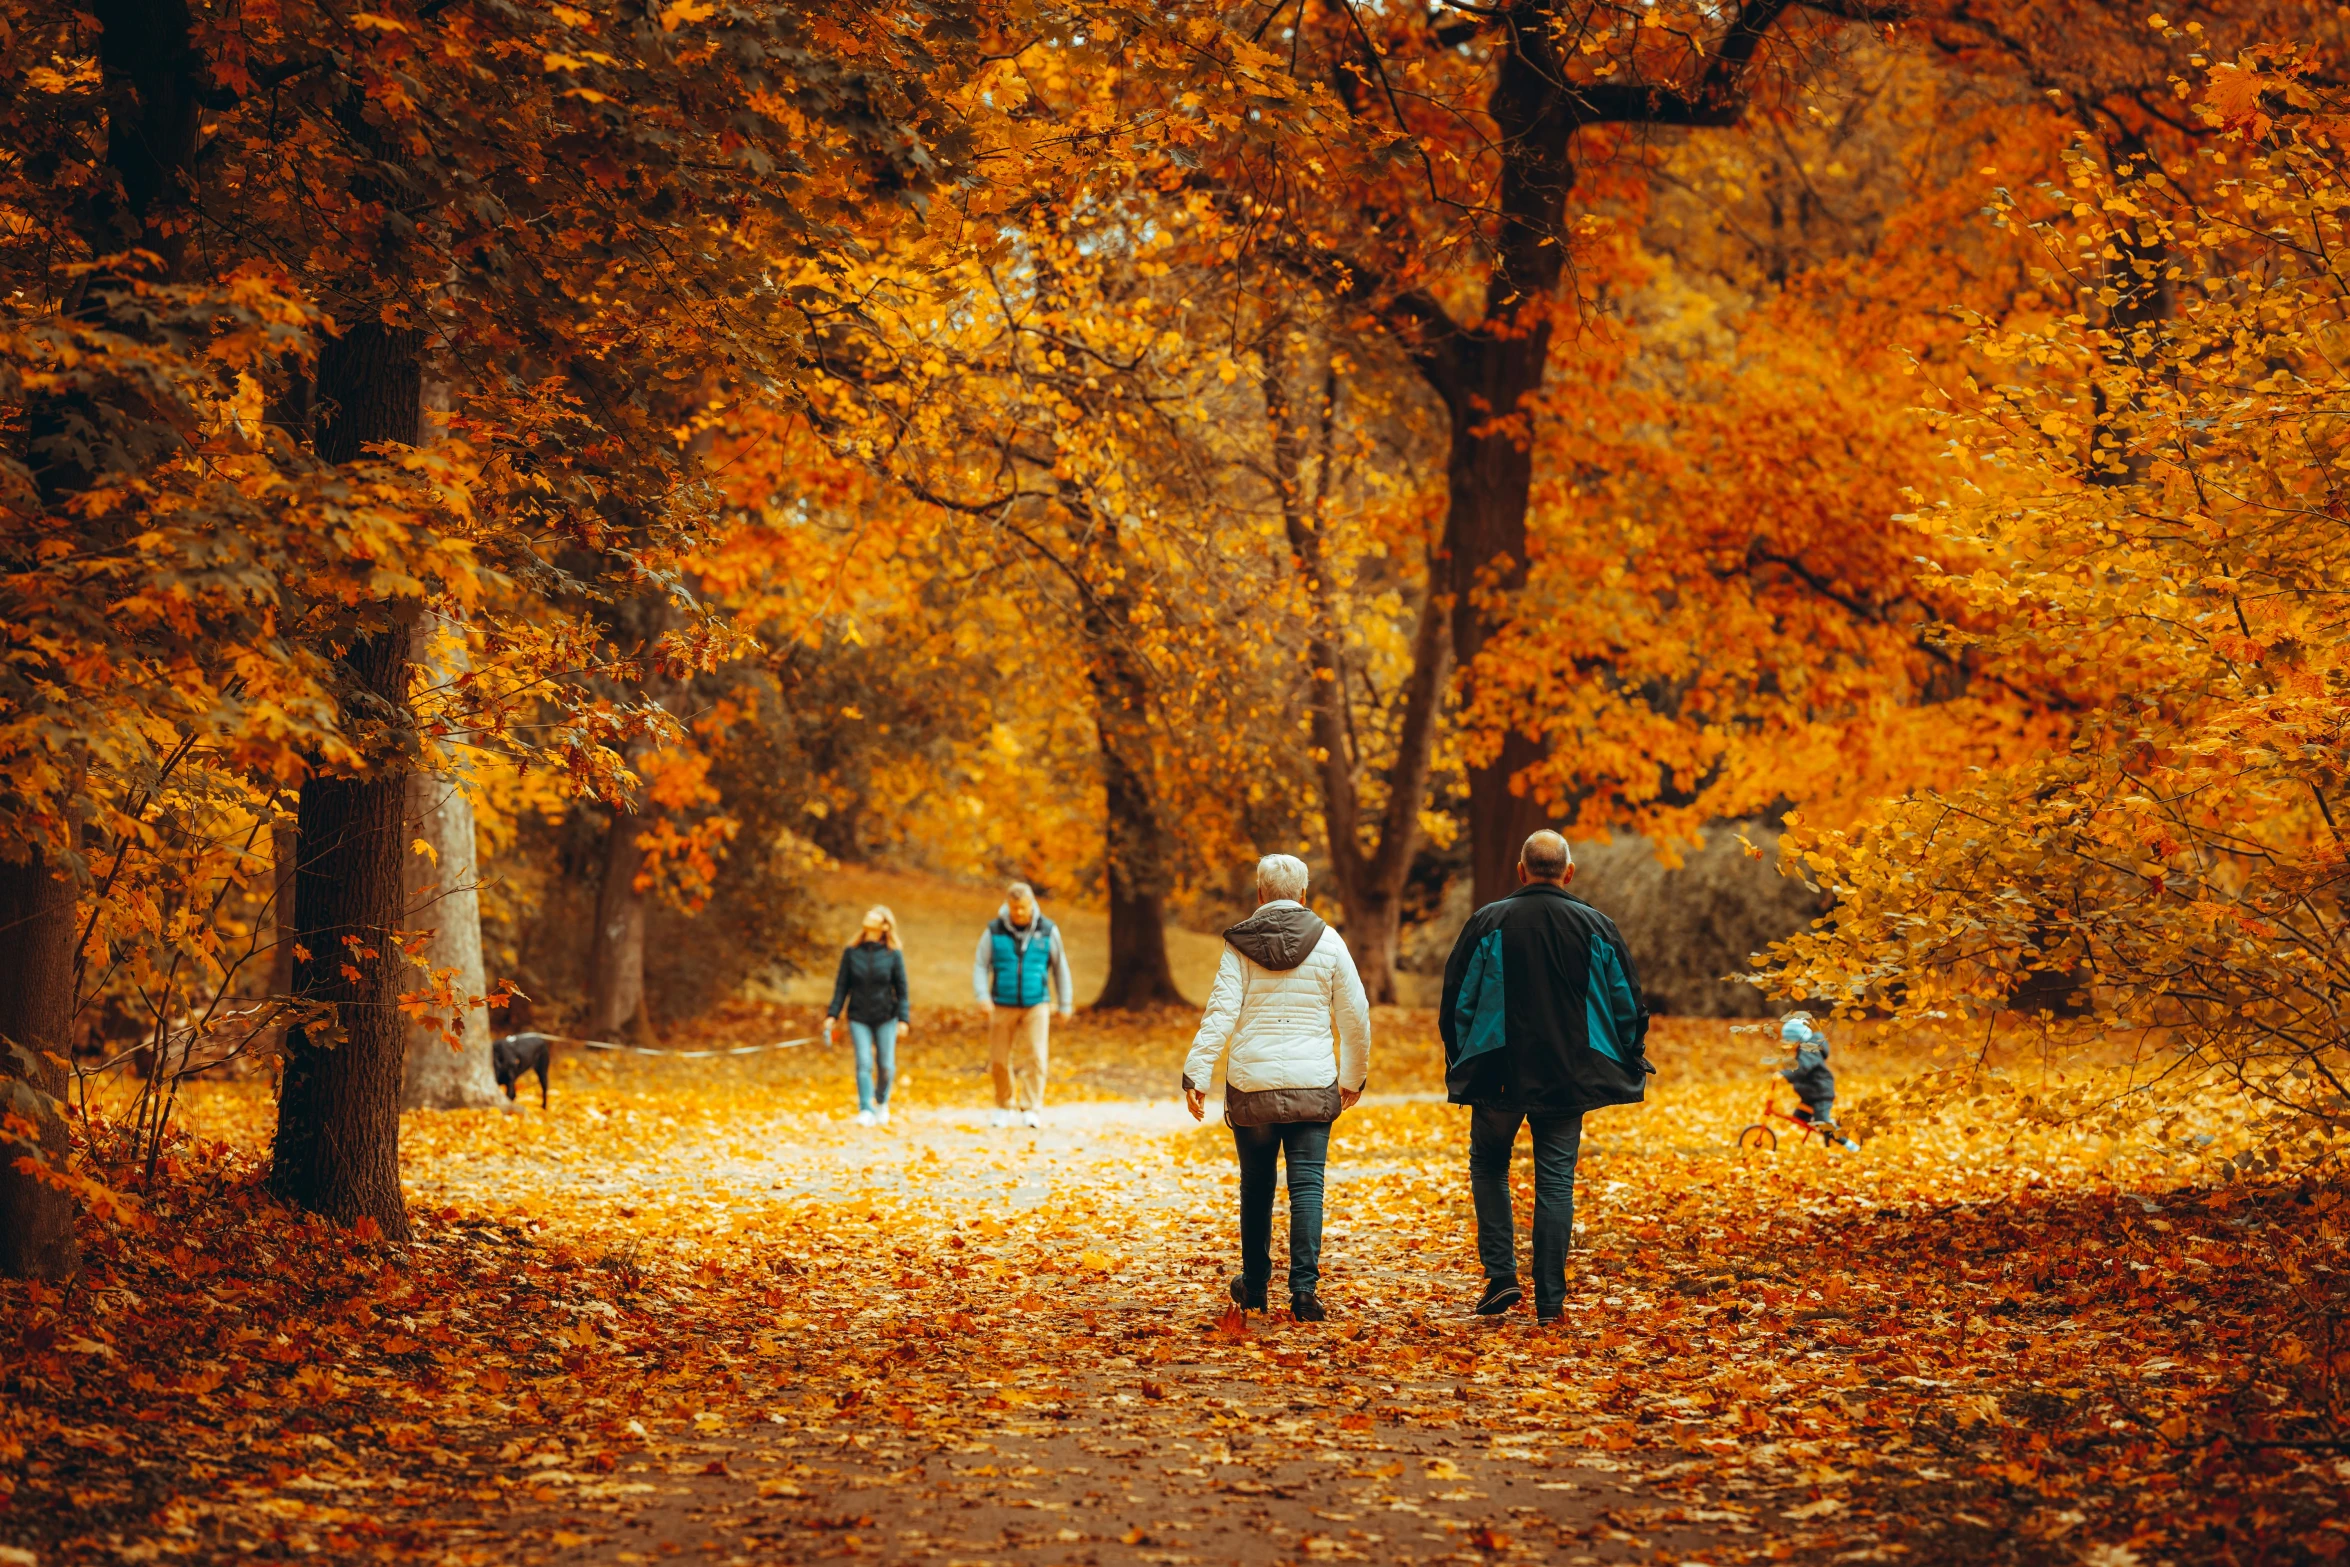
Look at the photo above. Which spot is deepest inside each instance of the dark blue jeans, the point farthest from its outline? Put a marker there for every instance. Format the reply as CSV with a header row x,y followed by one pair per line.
x,y
1558,1141
1306,1147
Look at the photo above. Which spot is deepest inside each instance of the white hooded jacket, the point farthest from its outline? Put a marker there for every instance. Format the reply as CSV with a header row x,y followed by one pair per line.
x,y
1285,989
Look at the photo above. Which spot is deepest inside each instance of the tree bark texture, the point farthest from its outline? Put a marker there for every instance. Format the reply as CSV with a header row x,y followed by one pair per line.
x,y
36,1012
616,948
1487,376
1369,876
1140,975
338,1127
1136,831
442,901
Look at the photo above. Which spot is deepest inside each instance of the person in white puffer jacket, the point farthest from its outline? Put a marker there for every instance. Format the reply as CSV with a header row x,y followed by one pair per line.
x,y
1290,1007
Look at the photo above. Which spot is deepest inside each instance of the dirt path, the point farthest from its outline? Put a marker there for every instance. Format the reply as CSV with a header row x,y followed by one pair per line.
x,y
1151,1428
692,1311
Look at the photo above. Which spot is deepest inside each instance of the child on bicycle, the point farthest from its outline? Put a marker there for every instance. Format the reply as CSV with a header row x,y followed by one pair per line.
x,y
1813,1083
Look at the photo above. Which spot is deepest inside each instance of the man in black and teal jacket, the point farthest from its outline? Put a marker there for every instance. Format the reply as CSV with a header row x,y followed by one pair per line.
x,y
1542,1021
1020,970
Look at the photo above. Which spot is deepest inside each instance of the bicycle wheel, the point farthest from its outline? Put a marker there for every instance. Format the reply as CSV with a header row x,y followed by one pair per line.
x,y
1758,1136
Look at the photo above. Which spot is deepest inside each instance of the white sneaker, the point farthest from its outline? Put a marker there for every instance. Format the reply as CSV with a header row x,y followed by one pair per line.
x,y
864,1118
1001,1119
881,1115
1031,1119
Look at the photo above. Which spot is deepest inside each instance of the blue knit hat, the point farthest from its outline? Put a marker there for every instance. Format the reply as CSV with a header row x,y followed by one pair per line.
x,y
1796,1029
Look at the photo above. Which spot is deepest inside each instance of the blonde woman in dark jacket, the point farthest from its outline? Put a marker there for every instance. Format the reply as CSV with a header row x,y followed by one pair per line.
x,y
871,990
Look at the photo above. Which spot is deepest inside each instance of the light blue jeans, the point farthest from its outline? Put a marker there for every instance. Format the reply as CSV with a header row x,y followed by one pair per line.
x,y
877,1061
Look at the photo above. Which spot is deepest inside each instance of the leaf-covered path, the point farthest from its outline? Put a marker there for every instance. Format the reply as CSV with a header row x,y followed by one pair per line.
x,y
693,1311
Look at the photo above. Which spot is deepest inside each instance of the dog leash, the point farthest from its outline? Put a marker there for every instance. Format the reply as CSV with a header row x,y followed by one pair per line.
x,y
688,1055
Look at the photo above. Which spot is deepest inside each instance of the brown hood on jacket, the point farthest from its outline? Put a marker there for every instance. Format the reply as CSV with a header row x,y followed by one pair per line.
x,y
1278,936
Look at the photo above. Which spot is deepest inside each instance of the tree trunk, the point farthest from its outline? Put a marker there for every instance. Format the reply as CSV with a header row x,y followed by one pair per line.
x,y
616,947
1136,835
338,1124
1488,375
1370,879
36,1011
1490,466
441,900
1140,975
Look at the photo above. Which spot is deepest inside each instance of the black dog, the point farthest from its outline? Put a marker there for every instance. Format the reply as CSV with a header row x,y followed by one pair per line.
x,y
516,1054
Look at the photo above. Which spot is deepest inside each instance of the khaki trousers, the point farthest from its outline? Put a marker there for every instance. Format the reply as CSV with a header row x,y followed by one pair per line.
x,y
1016,1054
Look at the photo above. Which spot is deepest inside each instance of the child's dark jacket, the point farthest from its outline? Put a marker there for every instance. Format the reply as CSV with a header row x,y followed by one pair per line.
x,y
1810,1074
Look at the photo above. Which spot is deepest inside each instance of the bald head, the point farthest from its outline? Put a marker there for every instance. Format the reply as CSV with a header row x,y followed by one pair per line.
x,y
1546,857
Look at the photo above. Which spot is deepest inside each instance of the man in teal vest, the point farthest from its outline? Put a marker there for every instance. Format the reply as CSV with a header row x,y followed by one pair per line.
x,y
1020,972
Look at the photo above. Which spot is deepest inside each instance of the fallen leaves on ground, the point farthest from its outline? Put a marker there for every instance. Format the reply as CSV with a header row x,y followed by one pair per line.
x,y
695,1295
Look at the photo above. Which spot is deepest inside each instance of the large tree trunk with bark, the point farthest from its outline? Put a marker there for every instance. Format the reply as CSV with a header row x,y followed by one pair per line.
x,y
1492,477
338,1126
1136,841
442,901
1140,975
616,947
1488,375
36,1012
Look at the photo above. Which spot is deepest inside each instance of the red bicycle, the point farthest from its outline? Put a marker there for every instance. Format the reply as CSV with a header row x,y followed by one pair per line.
x,y
1760,1135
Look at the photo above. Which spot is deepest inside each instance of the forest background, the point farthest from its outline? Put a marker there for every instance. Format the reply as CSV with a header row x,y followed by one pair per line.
x,y
491,509
501,499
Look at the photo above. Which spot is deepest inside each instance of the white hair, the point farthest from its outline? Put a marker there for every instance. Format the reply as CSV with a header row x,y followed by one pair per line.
x,y
1281,876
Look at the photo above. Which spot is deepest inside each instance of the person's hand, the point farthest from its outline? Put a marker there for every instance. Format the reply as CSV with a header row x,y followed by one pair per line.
x,y
1196,1101
828,1031
905,1026
1348,1097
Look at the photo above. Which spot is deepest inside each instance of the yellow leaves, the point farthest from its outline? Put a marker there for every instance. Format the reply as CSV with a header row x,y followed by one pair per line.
x,y
680,13
375,21
47,79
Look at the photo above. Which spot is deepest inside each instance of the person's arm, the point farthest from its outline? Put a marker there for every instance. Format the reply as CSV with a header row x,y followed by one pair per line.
x,y
840,985
1063,985
1350,1008
1637,1028
982,971
1456,969
897,978
1615,1005
1215,1030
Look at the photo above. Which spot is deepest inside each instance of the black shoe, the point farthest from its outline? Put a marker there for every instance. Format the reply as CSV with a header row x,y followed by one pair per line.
x,y
1500,1295
1246,1298
1306,1308
1546,1318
